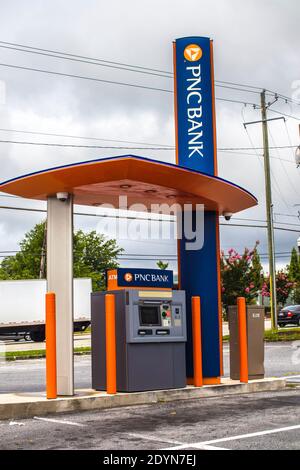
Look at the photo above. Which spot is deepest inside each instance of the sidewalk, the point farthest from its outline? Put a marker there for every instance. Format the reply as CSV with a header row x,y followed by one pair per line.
x,y
26,405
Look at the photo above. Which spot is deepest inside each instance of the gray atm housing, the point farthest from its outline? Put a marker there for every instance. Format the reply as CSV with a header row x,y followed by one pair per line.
x,y
150,340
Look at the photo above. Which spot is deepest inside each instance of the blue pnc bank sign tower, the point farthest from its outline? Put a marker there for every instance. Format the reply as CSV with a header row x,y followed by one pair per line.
x,y
199,270
195,107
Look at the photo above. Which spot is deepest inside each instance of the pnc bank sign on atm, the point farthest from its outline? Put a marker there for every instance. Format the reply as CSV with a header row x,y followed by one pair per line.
x,y
142,277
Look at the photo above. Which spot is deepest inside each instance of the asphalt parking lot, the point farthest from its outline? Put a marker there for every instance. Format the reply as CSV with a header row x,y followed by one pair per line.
x,y
256,421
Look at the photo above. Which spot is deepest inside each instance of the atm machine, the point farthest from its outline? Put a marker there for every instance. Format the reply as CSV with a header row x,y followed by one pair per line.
x,y
150,336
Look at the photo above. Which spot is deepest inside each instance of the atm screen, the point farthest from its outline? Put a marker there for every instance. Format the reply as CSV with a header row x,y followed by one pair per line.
x,y
149,315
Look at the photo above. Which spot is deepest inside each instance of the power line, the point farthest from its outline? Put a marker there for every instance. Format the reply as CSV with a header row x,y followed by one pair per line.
x,y
227,224
134,256
53,144
260,226
259,148
238,84
283,166
83,137
254,155
120,66
126,67
285,98
112,82
164,147
284,114
287,215
116,216
129,258
130,67
82,77
264,221
171,220
85,57
116,65
254,105
140,256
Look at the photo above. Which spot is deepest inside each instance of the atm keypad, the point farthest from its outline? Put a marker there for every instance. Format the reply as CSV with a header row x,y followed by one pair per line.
x,y
166,316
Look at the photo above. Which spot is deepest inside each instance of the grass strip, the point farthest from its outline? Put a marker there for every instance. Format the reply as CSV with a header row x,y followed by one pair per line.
x,y
274,336
37,354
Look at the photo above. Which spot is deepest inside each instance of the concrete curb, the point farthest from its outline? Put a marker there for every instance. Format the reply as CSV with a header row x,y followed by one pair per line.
x,y
26,405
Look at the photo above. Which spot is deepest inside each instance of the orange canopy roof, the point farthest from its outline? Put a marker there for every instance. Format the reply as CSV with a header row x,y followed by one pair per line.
x,y
142,180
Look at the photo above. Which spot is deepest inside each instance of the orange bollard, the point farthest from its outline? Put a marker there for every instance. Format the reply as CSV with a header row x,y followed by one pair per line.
x,y
111,361
243,346
197,341
51,381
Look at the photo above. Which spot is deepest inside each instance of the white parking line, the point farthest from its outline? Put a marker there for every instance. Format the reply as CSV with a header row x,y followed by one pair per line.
x,y
58,421
207,447
181,444
200,445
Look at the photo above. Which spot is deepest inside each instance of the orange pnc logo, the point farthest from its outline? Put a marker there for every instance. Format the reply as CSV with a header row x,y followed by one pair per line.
x,y
193,52
128,277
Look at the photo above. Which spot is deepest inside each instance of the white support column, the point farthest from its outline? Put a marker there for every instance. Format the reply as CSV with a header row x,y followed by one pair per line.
x,y
60,281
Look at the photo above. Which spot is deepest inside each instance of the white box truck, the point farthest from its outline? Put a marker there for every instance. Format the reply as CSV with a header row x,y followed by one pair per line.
x,y
22,307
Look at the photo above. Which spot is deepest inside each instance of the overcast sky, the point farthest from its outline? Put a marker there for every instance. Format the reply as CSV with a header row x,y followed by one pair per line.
x,y
255,42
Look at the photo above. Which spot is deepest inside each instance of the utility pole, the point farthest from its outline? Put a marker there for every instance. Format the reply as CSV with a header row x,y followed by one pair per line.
x,y
269,204
269,211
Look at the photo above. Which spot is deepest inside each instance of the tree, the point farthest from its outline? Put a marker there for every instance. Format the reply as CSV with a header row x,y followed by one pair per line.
x,y
284,287
93,254
25,264
296,295
162,265
241,275
294,266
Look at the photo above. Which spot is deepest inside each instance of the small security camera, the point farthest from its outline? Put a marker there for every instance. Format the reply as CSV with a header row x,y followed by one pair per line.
x,y
227,215
62,196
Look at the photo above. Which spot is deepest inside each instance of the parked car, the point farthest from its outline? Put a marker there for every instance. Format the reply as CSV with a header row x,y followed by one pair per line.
x,y
289,316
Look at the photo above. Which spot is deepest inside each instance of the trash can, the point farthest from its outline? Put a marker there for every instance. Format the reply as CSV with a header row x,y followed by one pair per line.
x,y
255,341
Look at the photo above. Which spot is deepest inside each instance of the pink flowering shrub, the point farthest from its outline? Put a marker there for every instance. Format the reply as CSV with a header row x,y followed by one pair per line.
x,y
241,275
283,287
